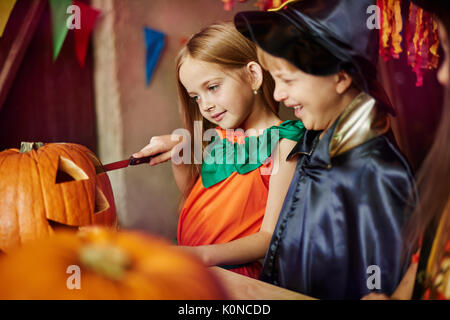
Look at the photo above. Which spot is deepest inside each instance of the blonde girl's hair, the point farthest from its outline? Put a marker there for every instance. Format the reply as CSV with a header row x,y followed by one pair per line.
x,y
223,45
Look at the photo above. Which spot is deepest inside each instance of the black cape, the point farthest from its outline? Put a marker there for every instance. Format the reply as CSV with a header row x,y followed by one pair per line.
x,y
343,215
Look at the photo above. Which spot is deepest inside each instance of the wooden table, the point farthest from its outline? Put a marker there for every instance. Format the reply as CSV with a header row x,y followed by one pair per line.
x,y
240,287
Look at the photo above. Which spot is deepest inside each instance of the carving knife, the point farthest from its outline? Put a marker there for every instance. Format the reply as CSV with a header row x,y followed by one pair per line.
x,y
128,162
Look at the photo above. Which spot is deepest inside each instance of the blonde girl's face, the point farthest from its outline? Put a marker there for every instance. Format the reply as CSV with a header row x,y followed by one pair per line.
x,y
223,98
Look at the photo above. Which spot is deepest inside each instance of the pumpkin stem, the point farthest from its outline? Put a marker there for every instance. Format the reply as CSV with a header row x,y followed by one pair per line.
x,y
28,146
107,260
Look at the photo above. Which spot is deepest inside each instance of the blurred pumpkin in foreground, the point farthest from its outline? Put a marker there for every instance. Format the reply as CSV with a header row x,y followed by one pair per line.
x,y
97,263
47,186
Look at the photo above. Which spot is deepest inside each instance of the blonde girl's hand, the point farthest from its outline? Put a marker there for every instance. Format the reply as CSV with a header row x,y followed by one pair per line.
x,y
159,144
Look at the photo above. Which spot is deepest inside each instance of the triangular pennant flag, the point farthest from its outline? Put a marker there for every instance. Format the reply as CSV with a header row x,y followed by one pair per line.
x,y
59,23
89,17
6,7
154,43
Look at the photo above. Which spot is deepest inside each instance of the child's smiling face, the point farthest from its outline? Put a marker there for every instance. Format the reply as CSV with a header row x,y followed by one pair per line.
x,y
223,99
314,98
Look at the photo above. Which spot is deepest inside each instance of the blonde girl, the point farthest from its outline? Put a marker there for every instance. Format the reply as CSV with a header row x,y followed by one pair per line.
x,y
230,208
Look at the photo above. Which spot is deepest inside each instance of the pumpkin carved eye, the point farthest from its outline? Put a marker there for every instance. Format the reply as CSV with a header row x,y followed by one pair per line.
x,y
69,171
101,203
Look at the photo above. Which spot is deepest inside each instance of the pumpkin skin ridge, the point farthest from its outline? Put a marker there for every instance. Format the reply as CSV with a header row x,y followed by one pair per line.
x,y
8,153
44,154
22,231
34,155
16,213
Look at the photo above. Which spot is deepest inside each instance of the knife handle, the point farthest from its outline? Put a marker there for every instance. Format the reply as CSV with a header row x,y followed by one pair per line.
x,y
135,161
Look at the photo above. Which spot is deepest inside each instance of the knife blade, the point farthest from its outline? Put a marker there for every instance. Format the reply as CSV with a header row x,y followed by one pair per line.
x,y
132,161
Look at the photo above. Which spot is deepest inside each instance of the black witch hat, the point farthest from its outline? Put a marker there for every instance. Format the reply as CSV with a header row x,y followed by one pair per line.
x,y
321,37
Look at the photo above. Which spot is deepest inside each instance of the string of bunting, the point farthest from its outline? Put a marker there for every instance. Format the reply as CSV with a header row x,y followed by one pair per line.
x,y
81,18
65,15
422,40
76,16
72,15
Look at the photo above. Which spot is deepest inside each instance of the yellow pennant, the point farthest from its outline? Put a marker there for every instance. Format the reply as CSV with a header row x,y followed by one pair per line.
x,y
6,7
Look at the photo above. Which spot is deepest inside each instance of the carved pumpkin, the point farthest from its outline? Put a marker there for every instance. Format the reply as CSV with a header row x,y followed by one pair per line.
x,y
98,263
43,187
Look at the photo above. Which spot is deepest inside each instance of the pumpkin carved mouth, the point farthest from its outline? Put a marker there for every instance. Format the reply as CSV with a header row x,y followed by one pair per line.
x,y
56,226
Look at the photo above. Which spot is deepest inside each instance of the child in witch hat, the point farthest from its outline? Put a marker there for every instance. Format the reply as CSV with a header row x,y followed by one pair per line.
x,y
339,233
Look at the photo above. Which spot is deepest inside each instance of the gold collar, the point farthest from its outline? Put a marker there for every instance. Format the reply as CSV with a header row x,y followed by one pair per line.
x,y
361,121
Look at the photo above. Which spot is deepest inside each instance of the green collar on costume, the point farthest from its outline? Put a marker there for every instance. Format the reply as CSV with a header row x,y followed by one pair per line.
x,y
223,157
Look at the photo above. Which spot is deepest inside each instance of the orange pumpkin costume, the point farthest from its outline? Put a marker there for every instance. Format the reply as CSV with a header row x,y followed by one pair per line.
x,y
232,208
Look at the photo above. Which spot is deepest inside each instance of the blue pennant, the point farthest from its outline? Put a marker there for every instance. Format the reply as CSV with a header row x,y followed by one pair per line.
x,y
154,43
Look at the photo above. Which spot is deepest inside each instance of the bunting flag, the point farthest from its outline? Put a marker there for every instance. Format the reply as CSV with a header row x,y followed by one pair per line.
x,y
422,39
59,18
391,27
422,42
88,16
154,43
6,6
